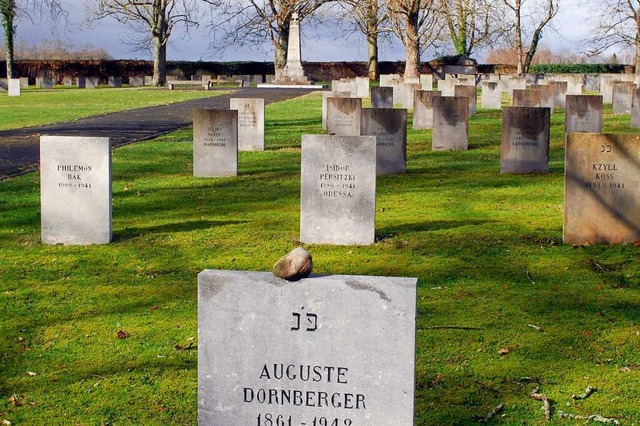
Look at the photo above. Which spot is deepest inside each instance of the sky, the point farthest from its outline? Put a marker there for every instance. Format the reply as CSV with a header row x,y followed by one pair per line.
x,y
318,44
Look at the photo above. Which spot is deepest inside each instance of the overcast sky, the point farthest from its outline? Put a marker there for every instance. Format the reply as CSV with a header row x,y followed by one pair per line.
x,y
321,44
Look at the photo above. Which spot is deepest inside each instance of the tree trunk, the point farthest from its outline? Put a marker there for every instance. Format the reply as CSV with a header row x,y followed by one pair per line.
x,y
412,47
637,57
518,29
280,54
159,61
8,15
372,43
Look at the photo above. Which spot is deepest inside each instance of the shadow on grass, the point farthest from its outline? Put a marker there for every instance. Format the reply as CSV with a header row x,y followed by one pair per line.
x,y
193,225
437,225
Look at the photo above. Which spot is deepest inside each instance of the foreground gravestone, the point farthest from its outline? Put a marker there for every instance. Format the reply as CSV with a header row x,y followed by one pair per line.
x,y
382,97
215,143
602,188
325,96
14,87
583,113
343,116
75,190
250,123
338,190
525,140
324,350
423,109
450,124
389,126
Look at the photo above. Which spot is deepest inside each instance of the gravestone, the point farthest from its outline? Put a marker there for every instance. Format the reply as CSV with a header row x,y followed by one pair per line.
x,y
602,188
347,85
148,80
635,109
622,97
4,84
24,82
546,96
389,126
92,82
338,190
527,98
426,81
325,96
343,116
583,113
324,350
362,87
14,87
215,143
447,87
250,123
559,93
136,81
82,82
382,97
115,81
44,82
525,140
75,190
396,83
67,81
423,109
450,124
470,93
515,82
408,94
491,95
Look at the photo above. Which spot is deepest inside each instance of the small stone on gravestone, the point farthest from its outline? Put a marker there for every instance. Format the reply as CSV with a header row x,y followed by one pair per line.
x,y
423,109
343,116
325,350
250,123
382,97
325,96
295,265
525,140
215,143
450,124
583,113
389,126
338,190
602,188
75,190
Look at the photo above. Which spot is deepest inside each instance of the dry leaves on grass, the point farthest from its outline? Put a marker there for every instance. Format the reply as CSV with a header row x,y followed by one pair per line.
x,y
122,334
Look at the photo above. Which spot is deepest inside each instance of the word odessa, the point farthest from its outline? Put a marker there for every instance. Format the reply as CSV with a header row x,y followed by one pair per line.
x,y
305,373
323,351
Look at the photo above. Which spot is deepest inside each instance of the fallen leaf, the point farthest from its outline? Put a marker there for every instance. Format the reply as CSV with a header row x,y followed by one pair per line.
x,y
13,400
625,369
31,373
153,308
6,422
504,351
122,334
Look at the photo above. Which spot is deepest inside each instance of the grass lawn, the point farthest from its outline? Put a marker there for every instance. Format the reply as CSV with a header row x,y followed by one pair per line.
x,y
487,249
35,107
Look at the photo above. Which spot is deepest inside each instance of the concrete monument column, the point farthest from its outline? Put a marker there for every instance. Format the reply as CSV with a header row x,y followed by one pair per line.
x,y
293,71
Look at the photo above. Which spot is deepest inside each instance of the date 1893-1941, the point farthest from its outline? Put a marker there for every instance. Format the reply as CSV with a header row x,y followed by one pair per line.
x,y
268,419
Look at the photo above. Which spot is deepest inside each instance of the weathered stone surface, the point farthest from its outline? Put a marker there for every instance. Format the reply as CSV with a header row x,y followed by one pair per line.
x,y
583,113
525,140
215,143
305,352
325,96
623,96
450,124
389,126
295,265
469,92
423,109
382,97
602,188
250,123
343,116
491,95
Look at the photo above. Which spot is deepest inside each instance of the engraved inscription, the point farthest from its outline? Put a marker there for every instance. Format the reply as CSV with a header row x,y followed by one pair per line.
x,y
214,137
74,175
336,181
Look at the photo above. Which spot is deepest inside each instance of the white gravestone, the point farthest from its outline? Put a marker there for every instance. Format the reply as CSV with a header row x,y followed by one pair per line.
x,y
491,95
325,350
75,190
250,123
389,126
215,143
338,190
14,87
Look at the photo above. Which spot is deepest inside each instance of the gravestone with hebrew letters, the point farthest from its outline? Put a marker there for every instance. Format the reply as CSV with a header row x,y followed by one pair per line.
x,y
324,350
215,143
250,123
389,126
423,109
450,124
75,190
602,188
525,140
338,190
343,116
583,113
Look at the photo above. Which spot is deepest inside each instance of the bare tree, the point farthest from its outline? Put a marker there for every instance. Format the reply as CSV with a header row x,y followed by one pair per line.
x,y
416,24
253,22
537,16
472,23
154,21
617,23
11,9
370,18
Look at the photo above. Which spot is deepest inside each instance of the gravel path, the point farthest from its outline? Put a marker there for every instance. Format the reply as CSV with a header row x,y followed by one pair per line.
x,y
20,148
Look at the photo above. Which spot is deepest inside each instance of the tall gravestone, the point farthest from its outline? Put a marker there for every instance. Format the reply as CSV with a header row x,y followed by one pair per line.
x,y
324,350
215,143
423,109
491,95
602,188
250,123
75,190
343,116
450,124
623,97
293,71
338,190
382,97
525,140
389,126
325,96
583,113
469,92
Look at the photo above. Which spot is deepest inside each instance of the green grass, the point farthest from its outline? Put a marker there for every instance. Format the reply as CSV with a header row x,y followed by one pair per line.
x,y
35,107
487,249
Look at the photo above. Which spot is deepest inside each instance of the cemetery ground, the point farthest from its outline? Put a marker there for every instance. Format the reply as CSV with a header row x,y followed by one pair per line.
x,y
108,334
